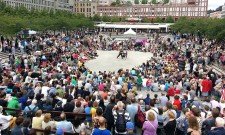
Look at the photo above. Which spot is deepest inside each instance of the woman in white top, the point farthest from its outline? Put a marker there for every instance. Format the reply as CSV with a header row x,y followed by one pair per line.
x,y
47,121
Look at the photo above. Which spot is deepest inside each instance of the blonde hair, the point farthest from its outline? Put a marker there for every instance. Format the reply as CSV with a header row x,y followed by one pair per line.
x,y
120,104
171,115
38,113
151,116
47,117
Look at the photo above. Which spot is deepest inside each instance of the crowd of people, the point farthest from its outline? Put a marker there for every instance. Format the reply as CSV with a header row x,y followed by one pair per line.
x,y
173,93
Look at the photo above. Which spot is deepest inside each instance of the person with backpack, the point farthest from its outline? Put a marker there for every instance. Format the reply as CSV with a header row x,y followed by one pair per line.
x,y
121,117
30,110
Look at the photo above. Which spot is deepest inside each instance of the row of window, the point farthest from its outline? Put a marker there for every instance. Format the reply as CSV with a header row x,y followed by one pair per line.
x,y
82,4
156,14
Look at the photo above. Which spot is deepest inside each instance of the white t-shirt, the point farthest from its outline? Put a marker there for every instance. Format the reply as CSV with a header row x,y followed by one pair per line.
x,y
4,120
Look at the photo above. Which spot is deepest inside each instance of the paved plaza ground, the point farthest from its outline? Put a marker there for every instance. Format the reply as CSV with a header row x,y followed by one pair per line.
x,y
107,61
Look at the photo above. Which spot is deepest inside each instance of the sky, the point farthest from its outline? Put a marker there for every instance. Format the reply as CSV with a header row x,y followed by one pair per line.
x,y
213,4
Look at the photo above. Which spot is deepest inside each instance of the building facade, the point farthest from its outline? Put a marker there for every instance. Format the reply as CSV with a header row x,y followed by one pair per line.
x,y
216,14
42,4
86,7
223,11
189,8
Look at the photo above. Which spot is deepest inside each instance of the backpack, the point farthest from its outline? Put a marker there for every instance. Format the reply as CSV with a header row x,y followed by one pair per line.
x,y
139,118
31,113
120,122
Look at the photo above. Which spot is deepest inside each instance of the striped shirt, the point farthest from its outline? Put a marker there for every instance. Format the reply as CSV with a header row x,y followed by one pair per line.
x,y
120,112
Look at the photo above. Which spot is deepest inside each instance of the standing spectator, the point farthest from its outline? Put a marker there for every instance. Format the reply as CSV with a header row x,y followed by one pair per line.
x,y
18,129
47,121
132,109
150,126
37,120
102,128
139,82
210,122
121,117
64,124
177,104
219,129
5,122
108,114
170,127
13,103
193,126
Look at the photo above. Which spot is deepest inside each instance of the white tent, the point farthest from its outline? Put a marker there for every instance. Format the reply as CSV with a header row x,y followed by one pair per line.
x,y
32,32
130,32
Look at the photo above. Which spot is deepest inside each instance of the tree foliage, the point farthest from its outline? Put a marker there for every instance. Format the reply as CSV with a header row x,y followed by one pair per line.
x,y
136,1
14,20
169,19
144,2
154,1
212,29
166,1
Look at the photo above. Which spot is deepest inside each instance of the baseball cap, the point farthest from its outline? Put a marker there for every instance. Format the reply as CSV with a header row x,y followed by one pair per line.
x,y
129,125
59,131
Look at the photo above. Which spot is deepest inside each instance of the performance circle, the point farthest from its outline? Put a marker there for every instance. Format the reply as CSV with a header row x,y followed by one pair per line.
x,y
108,61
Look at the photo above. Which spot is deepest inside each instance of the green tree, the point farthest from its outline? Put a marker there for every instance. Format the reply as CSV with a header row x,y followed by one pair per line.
x,y
158,20
128,3
166,1
106,19
146,20
169,19
144,2
136,1
118,2
96,18
154,1
115,19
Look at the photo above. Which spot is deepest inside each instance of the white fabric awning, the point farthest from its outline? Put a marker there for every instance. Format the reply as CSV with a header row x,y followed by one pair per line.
x,y
130,32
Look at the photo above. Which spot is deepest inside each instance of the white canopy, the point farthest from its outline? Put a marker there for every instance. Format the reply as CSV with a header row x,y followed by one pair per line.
x,y
32,32
130,32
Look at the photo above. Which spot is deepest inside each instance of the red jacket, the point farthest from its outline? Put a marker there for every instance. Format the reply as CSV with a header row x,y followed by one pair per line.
x,y
177,103
206,85
171,91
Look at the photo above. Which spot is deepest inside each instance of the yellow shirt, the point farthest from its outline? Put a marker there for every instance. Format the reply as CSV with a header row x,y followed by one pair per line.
x,y
37,122
93,112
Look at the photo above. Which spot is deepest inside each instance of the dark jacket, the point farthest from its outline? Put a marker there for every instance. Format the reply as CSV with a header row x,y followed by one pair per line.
x,y
217,131
108,114
207,124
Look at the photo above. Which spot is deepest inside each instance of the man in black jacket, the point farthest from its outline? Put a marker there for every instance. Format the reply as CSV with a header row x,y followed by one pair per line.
x,y
109,115
210,122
